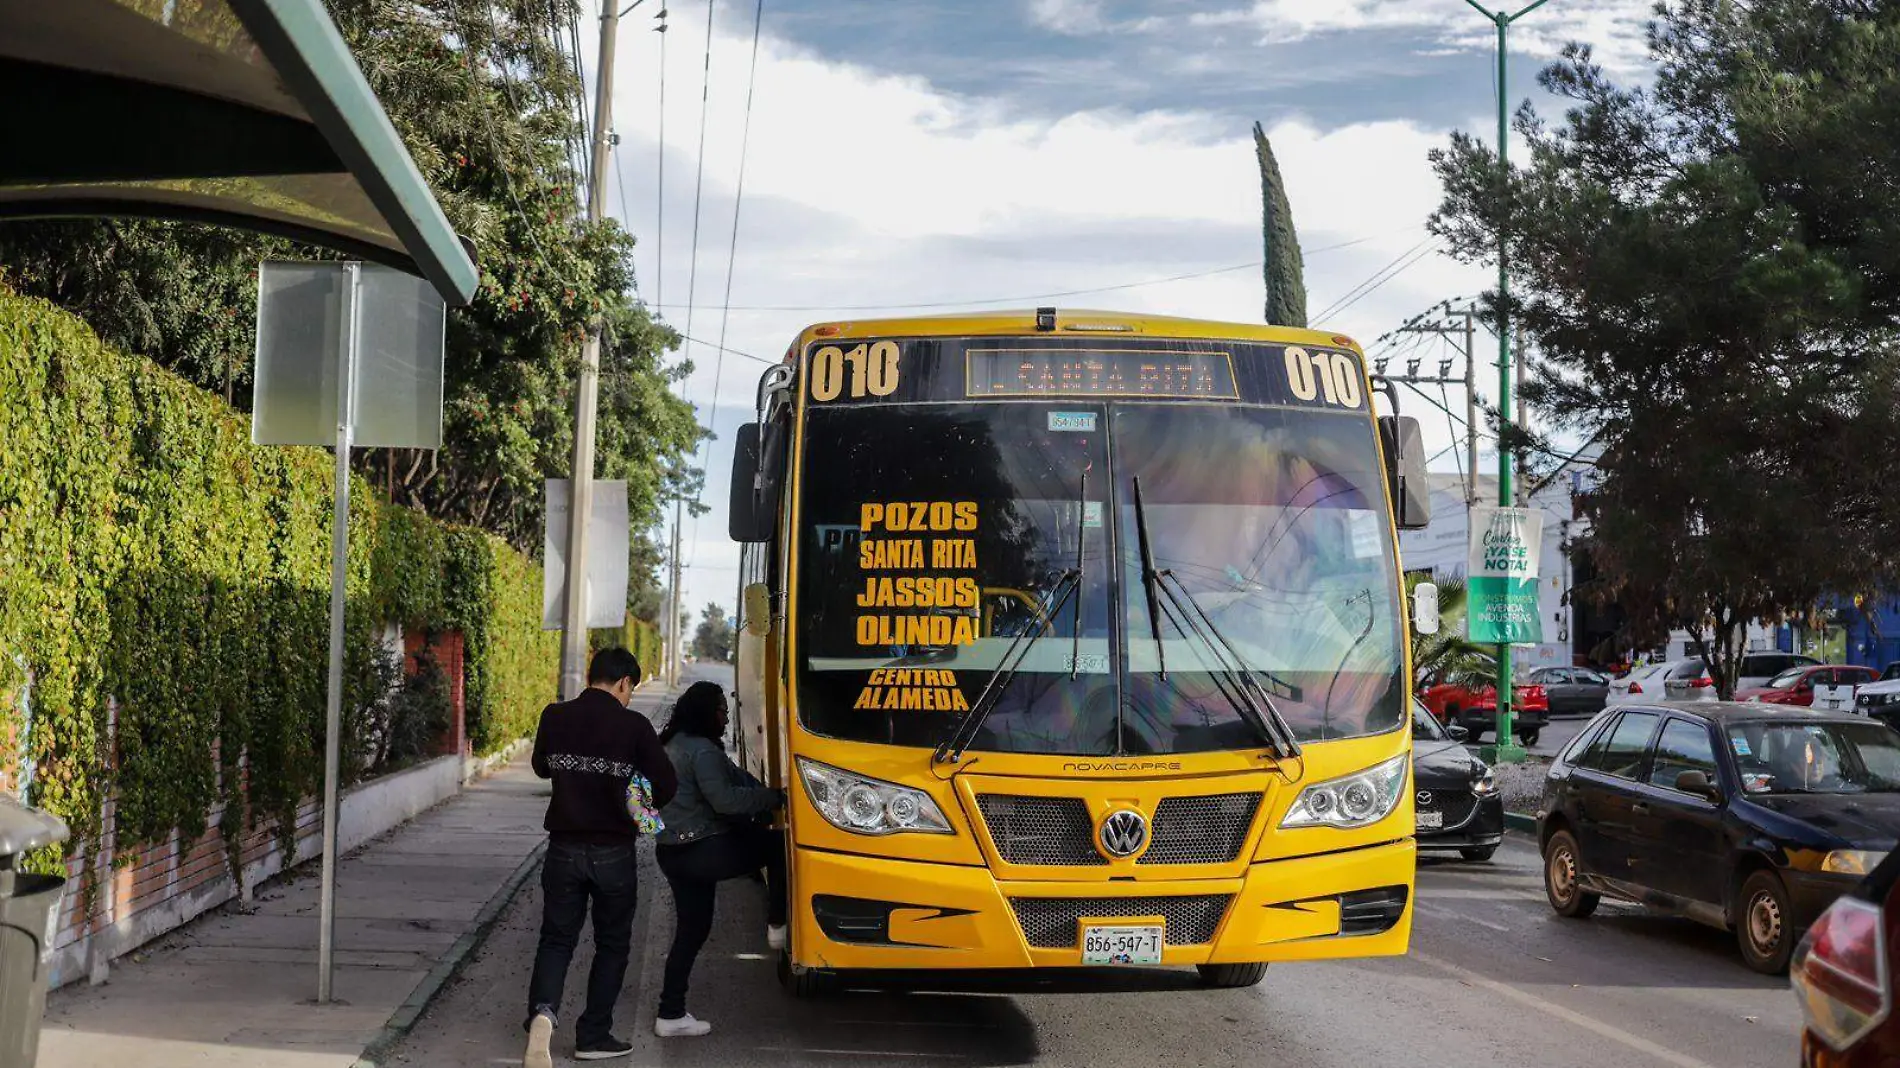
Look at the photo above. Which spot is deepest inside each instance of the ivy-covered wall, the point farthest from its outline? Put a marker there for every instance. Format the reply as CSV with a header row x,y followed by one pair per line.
x,y
151,556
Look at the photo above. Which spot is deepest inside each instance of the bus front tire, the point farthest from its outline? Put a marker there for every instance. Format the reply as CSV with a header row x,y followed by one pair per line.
x,y
1232,976
807,983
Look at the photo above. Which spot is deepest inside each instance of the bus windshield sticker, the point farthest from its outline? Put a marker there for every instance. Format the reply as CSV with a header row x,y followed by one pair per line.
x,y
936,610
1072,422
1365,533
1099,373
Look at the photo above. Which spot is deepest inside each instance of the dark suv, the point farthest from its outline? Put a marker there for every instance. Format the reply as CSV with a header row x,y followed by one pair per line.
x,y
1751,818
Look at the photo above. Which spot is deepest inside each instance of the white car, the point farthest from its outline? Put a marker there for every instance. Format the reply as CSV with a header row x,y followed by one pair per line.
x,y
1639,685
1880,697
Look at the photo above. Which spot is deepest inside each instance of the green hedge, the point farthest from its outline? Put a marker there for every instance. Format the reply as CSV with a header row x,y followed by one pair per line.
x,y
150,552
639,637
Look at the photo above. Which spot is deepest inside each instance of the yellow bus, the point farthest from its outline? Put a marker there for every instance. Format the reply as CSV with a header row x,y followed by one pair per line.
x,y
1077,639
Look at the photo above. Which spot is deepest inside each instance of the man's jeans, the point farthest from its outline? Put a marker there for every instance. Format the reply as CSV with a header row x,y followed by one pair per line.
x,y
573,875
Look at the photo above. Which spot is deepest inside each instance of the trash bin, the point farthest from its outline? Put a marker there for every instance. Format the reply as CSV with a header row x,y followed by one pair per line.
x,y
29,910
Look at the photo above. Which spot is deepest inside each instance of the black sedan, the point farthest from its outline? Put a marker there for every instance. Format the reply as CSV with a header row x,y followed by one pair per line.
x,y
1457,805
1752,818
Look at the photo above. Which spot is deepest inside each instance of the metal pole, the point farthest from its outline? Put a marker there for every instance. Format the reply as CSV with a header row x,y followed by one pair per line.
x,y
339,580
587,391
1507,749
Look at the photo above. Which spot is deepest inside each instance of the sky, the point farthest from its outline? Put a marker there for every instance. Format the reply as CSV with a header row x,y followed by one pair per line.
x,y
913,155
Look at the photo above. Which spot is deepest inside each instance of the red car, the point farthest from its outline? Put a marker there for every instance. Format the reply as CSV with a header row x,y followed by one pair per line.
x,y
1476,710
1799,685
1843,976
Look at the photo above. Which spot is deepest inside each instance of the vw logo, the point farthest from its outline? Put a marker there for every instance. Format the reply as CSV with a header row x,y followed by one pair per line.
x,y
1124,832
1425,797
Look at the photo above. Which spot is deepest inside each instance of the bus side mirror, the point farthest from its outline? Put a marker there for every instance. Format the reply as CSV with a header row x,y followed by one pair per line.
x,y
1425,608
1405,467
756,603
752,503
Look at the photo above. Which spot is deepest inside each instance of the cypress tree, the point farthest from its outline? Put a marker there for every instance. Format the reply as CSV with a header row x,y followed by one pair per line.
x,y
1284,270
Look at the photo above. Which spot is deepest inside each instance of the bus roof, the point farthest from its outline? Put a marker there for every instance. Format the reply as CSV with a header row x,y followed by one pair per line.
x,y
1069,322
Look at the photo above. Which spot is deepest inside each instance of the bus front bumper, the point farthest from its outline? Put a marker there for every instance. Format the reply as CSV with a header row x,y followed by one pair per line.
x,y
854,911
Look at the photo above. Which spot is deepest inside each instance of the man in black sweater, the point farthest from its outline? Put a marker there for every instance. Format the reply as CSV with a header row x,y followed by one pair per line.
x,y
591,747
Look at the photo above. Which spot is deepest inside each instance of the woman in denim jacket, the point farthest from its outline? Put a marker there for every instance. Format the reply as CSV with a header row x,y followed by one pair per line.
x,y
713,833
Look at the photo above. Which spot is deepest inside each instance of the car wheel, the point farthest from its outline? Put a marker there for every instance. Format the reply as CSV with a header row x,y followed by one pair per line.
x,y
1232,976
1762,923
1561,883
1529,738
1479,855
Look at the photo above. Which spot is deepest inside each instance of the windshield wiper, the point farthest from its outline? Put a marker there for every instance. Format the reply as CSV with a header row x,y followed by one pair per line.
x,y
1068,585
1236,681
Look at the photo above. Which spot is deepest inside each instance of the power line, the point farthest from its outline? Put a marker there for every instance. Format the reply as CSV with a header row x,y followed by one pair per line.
x,y
699,184
659,221
1018,299
735,352
738,200
1379,278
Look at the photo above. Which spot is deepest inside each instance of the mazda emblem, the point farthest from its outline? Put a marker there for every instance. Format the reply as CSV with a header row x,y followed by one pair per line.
x,y
1124,832
1425,797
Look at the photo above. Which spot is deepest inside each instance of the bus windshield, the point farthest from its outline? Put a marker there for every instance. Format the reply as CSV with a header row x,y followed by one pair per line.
x,y
937,539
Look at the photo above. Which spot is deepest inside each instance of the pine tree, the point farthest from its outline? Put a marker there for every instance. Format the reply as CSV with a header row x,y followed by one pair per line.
x,y
1285,271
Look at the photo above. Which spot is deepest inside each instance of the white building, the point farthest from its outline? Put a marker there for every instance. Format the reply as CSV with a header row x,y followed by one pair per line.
x,y
1441,549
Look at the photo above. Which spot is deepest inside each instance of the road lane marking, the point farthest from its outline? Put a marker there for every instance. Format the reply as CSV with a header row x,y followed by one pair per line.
x,y
1588,1023
1452,914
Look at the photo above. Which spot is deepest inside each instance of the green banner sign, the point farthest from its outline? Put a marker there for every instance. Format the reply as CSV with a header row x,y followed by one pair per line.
x,y
1501,572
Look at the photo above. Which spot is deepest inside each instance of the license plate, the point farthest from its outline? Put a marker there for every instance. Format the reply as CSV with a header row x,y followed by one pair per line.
x,y
1121,945
1430,820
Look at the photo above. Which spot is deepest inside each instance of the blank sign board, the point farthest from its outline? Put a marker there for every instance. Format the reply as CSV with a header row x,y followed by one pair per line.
x,y
305,314
607,554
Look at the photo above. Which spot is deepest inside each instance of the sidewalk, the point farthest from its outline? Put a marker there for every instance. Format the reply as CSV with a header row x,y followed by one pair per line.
x,y
238,987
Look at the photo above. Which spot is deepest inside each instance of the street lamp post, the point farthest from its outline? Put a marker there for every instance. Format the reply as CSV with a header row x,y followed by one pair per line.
x,y
1507,750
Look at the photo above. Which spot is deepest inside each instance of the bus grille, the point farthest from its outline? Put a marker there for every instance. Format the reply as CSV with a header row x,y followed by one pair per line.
x,y
1057,831
1209,829
1051,922
1040,830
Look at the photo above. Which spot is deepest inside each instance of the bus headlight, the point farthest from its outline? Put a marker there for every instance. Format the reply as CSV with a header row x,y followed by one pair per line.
x,y
1351,800
863,805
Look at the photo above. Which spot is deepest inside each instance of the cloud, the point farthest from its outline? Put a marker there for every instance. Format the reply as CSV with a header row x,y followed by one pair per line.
x,y
1616,28
1068,16
869,188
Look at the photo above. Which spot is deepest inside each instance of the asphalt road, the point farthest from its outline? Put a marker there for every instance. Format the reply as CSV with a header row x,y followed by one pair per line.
x,y
1493,978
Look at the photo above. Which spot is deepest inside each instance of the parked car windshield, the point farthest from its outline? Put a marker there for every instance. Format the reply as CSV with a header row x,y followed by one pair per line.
x,y
1425,726
1788,678
1892,672
1816,758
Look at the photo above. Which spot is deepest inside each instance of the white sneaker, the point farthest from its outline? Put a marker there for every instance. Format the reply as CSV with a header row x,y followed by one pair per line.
x,y
684,1027
775,935
540,1033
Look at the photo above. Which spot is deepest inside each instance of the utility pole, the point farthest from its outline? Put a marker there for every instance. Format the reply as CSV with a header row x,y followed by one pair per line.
x,y
1507,751
676,645
1449,330
587,387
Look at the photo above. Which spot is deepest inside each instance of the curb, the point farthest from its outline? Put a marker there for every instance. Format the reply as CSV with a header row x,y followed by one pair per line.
x,y
1518,821
403,1020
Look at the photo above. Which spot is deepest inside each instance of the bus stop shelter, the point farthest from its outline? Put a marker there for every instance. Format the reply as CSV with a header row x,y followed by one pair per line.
x,y
245,113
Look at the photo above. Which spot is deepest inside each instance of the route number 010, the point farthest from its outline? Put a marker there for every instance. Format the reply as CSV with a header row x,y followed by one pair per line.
x,y
1332,373
871,370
